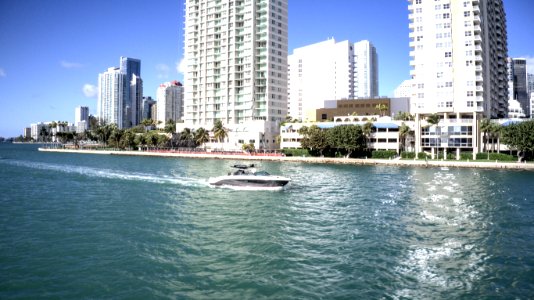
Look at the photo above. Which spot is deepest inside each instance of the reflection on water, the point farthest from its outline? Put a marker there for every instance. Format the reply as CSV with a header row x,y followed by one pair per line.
x,y
446,249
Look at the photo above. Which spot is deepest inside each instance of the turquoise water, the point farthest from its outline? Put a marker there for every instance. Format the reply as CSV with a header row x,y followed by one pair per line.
x,y
98,226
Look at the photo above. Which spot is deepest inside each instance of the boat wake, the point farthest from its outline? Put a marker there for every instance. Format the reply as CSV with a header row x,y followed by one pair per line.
x,y
108,173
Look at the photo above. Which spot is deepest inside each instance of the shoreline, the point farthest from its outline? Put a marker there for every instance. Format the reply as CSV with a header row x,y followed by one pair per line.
x,y
317,160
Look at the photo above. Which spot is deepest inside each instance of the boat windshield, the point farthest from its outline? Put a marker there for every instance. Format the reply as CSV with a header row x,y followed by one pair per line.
x,y
262,173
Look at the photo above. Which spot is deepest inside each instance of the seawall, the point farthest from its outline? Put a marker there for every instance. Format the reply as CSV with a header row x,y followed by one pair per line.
x,y
318,160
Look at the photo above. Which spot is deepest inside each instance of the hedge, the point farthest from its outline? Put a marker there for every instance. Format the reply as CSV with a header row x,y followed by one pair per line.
x,y
496,156
383,154
408,155
296,152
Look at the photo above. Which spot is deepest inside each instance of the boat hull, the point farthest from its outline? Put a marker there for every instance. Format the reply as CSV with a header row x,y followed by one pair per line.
x,y
249,181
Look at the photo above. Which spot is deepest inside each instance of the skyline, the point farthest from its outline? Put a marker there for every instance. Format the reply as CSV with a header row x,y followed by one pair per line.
x,y
48,84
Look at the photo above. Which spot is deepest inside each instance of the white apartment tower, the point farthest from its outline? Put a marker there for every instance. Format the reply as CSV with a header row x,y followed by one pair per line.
x,y
111,93
170,102
458,59
365,70
458,51
236,62
330,70
81,118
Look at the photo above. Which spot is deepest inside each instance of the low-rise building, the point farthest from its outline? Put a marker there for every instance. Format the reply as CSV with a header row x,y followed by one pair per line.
x,y
384,134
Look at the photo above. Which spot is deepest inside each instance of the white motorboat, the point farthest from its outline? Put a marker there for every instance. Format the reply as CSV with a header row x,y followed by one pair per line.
x,y
246,177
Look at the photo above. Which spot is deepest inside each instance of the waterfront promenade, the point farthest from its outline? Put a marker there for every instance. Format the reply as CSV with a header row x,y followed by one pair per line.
x,y
322,160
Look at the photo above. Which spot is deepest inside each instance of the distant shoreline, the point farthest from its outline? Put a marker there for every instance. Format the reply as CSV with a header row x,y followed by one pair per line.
x,y
317,160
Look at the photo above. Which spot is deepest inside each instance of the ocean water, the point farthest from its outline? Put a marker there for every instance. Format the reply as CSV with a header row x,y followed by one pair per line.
x,y
100,226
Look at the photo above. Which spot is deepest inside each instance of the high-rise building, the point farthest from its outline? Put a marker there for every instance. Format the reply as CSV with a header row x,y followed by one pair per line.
x,y
133,90
111,93
330,70
518,83
170,96
458,51
136,98
365,70
530,81
236,63
81,118
147,107
120,94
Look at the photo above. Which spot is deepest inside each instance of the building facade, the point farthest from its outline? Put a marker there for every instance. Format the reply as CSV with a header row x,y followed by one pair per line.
x,y
133,90
365,70
170,99
236,62
147,107
362,107
330,70
458,59
404,89
518,83
81,118
111,94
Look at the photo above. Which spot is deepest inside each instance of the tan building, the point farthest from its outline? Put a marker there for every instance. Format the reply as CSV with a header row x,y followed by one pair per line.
x,y
360,107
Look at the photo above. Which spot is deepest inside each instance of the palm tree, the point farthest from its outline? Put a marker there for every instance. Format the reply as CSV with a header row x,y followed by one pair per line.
x,y
367,129
495,133
170,126
201,136
43,133
485,127
404,132
147,123
219,131
382,108
186,134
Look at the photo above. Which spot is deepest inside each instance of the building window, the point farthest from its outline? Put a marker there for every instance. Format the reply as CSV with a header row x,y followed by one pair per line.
x,y
469,93
418,1
446,16
467,13
446,6
470,103
468,33
448,54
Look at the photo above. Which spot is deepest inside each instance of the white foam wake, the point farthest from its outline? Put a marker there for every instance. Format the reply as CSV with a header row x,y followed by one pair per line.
x,y
108,173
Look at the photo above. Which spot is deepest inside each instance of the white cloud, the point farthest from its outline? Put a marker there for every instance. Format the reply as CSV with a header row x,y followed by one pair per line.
x,y
2,73
163,71
70,65
89,90
180,66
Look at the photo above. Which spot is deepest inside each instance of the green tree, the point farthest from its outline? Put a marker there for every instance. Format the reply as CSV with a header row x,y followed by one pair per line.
x,y
346,138
404,132
43,134
127,139
485,125
519,136
382,108
367,131
404,116
433,119
170,126
219,131
202,136
314,138
248,147
151,138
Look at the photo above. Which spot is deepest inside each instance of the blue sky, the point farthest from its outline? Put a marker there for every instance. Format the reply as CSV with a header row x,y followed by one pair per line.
x,y
52,51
